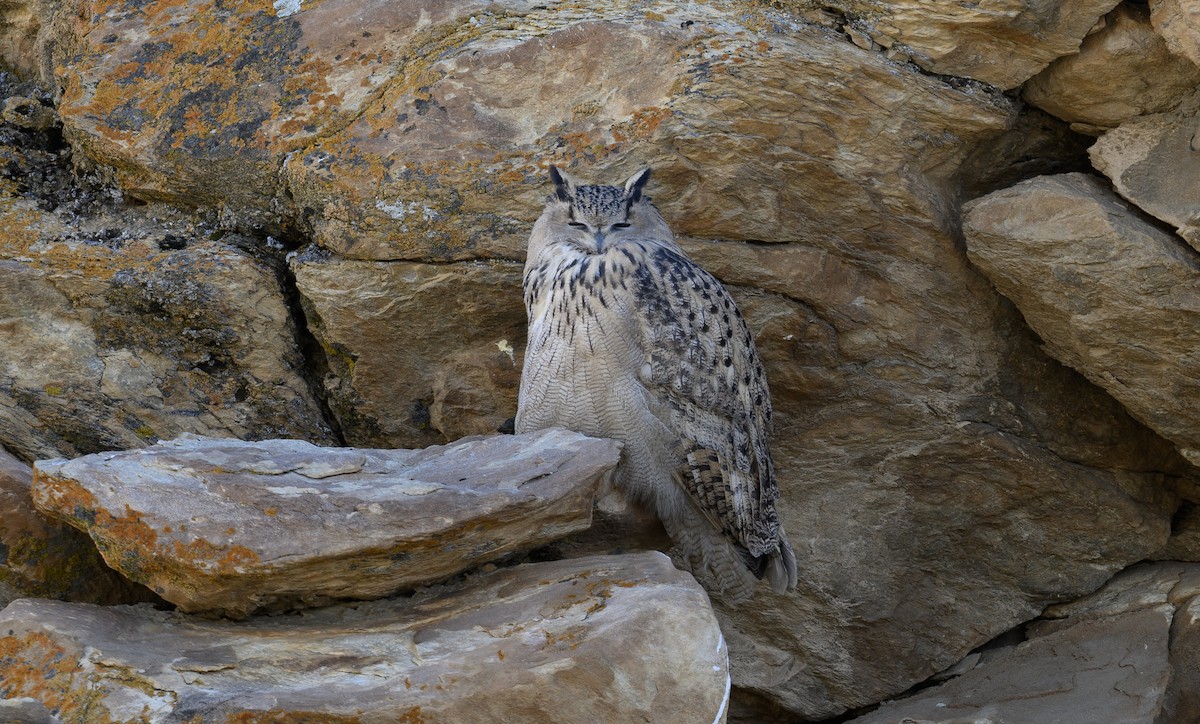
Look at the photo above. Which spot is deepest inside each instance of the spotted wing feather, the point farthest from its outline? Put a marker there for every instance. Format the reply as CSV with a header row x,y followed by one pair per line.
x,y
705,371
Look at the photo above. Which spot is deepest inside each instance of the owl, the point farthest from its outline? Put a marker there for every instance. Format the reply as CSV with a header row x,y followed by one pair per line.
x,y
629,339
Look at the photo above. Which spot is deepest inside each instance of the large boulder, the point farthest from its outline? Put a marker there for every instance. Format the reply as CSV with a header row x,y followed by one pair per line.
x,y
1126,653
120,327
1178,21
417,353
234,527
1152,161
47,559
1110,294
604,639
1003,44
1122,71
115,344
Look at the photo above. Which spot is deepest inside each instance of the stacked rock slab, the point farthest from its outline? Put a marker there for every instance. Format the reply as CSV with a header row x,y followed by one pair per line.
x,y
48,559
1126,653
609,638
233,527
1111,294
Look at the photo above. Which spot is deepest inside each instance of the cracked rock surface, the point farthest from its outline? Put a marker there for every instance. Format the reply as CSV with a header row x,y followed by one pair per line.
x,y
233,527
610,638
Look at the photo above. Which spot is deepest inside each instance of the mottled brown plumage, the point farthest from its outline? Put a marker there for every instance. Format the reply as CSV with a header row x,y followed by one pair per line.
x,y
630,339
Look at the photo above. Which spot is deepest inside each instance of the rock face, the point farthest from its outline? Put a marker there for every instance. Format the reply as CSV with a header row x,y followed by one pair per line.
x,y
1126,653
1151,161
119,329
943,477
136,346
1178,21
612,638
1003,44
1111,295
234,527
46,559
418,353
1122,71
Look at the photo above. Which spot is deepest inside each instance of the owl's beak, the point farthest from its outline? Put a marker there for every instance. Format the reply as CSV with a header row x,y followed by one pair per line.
x,y
599,238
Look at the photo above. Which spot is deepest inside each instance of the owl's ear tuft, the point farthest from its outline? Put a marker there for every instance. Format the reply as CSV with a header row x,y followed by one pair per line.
x,y
633,187
562,184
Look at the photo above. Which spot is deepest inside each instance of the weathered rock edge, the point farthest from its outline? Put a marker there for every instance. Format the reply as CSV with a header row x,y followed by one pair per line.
x,y
1110,294
605,638
233,527
1126,653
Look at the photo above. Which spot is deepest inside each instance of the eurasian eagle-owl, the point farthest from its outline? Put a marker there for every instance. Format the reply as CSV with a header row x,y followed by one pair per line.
x,y
629,339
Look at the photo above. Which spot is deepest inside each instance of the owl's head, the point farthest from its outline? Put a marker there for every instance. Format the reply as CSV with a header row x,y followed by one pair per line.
x,y
596,217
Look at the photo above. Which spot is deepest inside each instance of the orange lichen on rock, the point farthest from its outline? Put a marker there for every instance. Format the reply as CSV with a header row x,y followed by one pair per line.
x,y
205,555
34,665
641,125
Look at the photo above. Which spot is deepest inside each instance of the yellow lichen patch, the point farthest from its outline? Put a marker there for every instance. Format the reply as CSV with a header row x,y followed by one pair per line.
x,y
36,666
68,499
411,716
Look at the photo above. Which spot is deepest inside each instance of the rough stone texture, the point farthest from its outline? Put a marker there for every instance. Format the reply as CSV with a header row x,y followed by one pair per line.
x,y
232,527
610,638
1178,22
1110,670
46,559
1003,43
105,347
1122,71
1110,294
118,328
1125,653
888,522
1153,161
919,427
417,353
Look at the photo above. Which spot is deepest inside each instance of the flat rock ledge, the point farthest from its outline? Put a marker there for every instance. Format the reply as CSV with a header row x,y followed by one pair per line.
x,y
234,527
604,638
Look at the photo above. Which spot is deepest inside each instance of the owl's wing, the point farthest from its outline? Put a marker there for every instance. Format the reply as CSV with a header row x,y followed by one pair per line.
x,y
705,371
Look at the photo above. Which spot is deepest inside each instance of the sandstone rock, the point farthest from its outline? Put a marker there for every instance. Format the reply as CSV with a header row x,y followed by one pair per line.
x,y
1125,653
418,353
1109,294
610,638
1109,670
428,137
116,343
463,174
233,527
119,327
1178,22
1152,161
919,427
47,559
1122,71
1001,44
